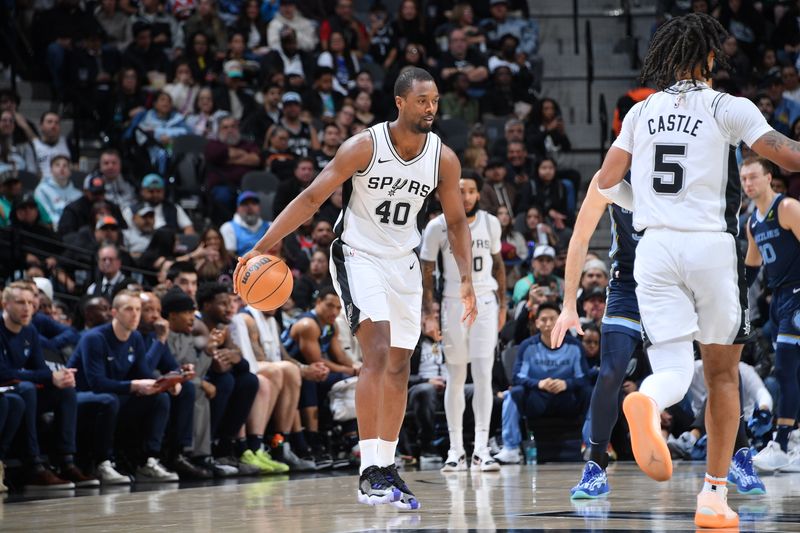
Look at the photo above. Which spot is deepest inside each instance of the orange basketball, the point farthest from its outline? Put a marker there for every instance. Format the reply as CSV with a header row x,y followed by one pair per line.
x,y
265,282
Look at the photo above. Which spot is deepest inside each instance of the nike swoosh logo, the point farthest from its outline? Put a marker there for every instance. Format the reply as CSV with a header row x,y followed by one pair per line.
x,y
384,160
411,266
795,291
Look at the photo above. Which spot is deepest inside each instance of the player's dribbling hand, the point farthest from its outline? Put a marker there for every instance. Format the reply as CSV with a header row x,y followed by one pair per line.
x,y
469,304
240,264
566,320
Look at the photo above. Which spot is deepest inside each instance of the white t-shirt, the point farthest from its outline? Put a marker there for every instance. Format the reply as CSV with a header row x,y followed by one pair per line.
x,y
683,142
183,219
45,153
486,241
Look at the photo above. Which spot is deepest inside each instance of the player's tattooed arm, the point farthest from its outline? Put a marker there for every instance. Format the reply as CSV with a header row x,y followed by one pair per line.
x,y
427,285
779,149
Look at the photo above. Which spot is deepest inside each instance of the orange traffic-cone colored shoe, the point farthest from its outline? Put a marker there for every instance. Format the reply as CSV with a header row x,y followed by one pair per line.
x,y
649,447
713,511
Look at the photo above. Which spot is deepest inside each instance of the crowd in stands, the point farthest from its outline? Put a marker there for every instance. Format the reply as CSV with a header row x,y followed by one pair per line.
x,y
212,116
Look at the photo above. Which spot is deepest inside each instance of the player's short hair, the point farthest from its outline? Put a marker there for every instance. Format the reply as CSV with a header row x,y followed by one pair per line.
x,y
58,157
407,78
324,292
681,45
125,293
469,174
544,306
208,291
180,267
766,165
8,291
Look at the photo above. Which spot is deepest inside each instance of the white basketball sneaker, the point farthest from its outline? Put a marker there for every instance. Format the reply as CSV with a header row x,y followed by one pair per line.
x,y
794,461
771,458
456,461
484,461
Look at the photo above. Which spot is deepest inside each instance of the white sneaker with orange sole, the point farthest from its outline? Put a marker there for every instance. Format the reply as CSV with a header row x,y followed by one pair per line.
x,y
713,511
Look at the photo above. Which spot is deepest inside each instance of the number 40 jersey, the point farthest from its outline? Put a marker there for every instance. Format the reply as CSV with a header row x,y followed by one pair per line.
x,y
380,205
683,144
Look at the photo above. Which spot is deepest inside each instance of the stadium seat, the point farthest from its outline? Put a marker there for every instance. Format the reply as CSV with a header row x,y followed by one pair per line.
x,y
260,181
188,144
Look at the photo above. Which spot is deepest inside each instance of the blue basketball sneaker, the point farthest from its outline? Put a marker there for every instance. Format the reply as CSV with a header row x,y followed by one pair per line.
x,y
593,484
375,489
744,475
407,499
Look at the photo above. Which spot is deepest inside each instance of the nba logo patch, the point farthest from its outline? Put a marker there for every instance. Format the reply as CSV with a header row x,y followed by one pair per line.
x,y
796,320
131,357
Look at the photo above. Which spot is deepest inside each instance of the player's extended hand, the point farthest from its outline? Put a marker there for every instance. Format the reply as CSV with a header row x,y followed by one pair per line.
x,y
240,264
469,304
566,320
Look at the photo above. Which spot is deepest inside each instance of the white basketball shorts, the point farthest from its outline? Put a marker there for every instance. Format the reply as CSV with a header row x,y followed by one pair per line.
x,y
691,283
462,344
379,289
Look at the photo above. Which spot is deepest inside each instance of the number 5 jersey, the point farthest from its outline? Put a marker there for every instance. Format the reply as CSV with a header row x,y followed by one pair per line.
x,y
683,172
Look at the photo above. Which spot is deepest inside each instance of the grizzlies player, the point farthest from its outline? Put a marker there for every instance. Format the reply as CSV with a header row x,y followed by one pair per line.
x,y
621,331
387,172
773,238
685,191
475,344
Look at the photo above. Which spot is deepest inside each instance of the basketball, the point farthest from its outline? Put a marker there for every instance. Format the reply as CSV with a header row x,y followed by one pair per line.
x,y
265,282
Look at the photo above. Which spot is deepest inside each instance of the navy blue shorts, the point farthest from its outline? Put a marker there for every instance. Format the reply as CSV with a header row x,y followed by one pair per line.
x,y
622,310
312,392
785,312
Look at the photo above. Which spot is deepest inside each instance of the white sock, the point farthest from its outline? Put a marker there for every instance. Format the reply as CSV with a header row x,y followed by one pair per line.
x,y
386,450
454,403
673,368
715,484
369,454
482,400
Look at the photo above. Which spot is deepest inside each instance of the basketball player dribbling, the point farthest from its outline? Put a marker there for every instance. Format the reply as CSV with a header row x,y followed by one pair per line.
x,y
387,171
679,145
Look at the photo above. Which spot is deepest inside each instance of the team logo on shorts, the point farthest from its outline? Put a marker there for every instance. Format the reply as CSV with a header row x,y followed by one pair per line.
x,y
796,320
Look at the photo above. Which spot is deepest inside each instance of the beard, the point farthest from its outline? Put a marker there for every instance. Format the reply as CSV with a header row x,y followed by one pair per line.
x,y
232,139
471,212
250,219
422,127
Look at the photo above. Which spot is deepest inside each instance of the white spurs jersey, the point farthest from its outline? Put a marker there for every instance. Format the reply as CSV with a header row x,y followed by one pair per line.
x,y
683,145
381,204
486,235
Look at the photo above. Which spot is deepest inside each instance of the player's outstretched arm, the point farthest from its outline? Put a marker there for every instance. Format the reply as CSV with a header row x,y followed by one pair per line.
x,y
779,149
457,229
592,209
354,155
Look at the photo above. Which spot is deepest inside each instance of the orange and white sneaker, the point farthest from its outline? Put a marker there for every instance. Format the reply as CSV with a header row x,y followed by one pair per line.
x,y
713,511
649,447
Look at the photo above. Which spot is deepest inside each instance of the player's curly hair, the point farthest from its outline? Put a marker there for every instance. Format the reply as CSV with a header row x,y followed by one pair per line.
x,y
681,45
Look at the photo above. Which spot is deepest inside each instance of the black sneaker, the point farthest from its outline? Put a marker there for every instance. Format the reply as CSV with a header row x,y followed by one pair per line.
x,y
322,459
375,489
188,470
407,499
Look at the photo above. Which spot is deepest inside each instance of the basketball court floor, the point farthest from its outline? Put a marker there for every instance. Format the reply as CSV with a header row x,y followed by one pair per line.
x,y
515,499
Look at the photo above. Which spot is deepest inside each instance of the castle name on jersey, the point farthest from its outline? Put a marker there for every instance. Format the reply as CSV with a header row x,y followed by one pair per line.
x,y
398,184
767,235
672,122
